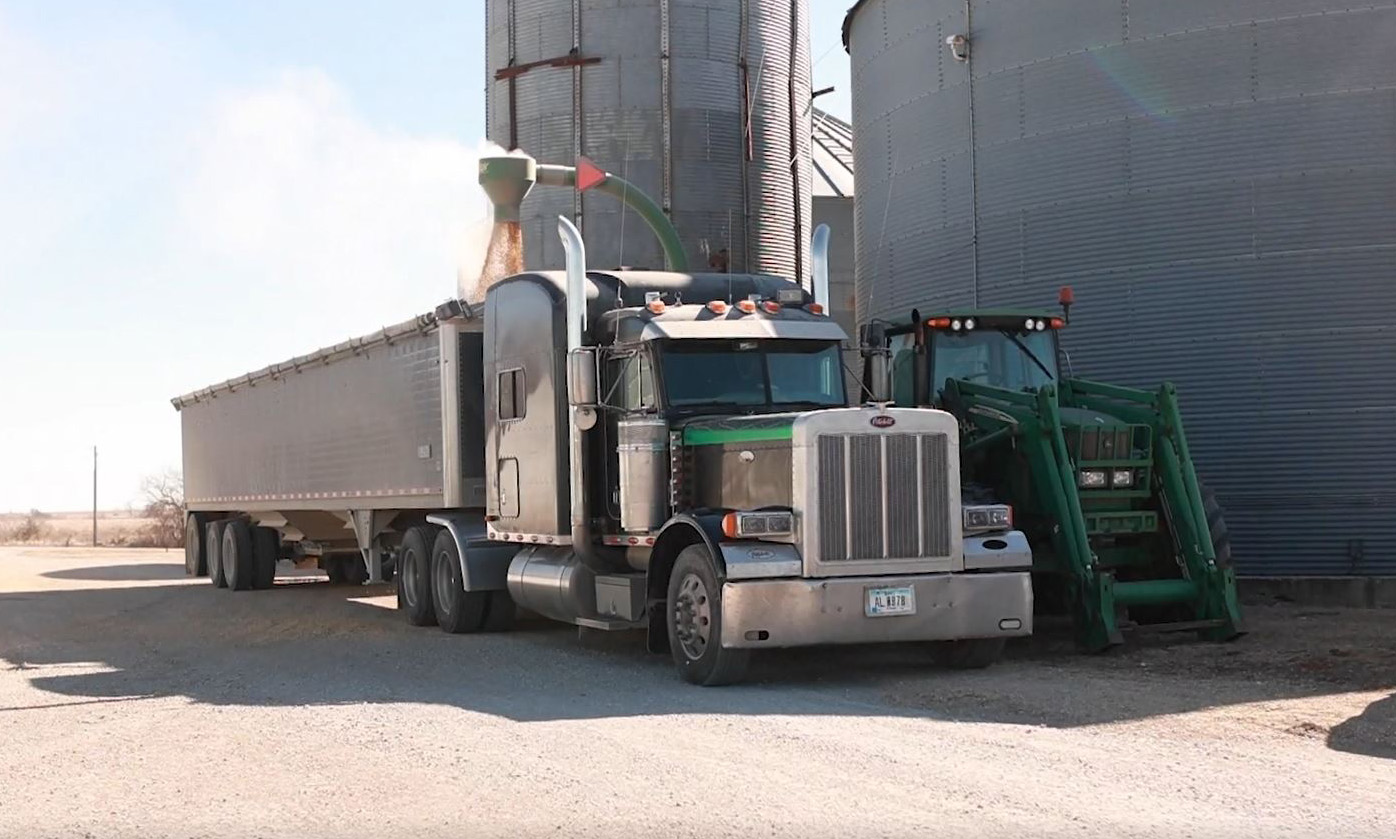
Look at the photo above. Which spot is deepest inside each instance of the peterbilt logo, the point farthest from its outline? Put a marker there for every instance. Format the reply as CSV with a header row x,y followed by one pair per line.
x,y
883,421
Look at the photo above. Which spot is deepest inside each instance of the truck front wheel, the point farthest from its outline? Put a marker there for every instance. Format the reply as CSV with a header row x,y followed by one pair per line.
x,y
694,610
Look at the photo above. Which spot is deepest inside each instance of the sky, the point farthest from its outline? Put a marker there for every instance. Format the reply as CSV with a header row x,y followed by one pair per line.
x,y
192,190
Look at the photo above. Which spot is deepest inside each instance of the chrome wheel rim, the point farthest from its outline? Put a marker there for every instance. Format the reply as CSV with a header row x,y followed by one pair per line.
x,y
411,577
693,617
441,582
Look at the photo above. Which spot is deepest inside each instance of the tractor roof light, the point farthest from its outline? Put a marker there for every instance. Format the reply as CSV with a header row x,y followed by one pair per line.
x,y
771,307
814,309
939,323
1056,323
717,307
1027,324
956,325
747,307
1040,325
969,323
654,303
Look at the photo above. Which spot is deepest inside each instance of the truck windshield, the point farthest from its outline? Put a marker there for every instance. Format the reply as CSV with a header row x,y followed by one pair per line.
x,y
752,373
991,357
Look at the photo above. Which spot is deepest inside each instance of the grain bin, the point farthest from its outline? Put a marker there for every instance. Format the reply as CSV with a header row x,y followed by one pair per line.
x,y
1217,181
705,107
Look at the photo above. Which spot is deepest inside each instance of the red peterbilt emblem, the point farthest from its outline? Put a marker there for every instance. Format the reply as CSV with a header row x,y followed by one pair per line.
x,y
883,421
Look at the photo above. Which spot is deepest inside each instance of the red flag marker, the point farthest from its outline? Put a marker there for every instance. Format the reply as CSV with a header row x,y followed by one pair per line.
x,y
588,174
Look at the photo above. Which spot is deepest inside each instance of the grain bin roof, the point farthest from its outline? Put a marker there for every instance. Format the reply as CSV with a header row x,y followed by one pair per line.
x,y
832,155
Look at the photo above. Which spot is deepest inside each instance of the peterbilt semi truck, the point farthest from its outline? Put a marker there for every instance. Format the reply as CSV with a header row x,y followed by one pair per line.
x,y
669,452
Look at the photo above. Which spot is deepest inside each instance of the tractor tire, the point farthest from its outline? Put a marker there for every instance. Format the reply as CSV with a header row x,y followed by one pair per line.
x,y
968,653
237,555
266,549
195,557
457,610
499,612
213,549
414,576
694,619
1216,526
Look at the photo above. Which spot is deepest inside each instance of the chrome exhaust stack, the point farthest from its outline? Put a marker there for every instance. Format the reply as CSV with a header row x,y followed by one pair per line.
x,y
581,416
819,259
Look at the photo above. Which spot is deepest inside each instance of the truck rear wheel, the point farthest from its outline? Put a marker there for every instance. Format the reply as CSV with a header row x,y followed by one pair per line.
x,y
195,559
237,555
266,546
694,609
968,653
414,576
457,610
213,548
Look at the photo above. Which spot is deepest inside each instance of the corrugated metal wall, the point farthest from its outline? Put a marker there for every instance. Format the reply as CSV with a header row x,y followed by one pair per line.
x,y
1216,179
727,181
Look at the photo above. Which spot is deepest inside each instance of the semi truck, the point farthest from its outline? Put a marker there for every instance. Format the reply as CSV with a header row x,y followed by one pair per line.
x,y
619,450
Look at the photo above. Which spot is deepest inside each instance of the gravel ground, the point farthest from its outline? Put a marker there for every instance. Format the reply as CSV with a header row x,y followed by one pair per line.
x,y
134,702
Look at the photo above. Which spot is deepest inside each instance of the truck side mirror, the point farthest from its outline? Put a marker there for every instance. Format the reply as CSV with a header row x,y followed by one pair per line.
x,y
581,378
879,383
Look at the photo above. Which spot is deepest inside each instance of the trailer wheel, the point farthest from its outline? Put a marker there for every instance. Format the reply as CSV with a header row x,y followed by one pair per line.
x,y
266,546
1216,526
499,612
195,559
414,576
457,610
968,653
237,555
213,546
694,609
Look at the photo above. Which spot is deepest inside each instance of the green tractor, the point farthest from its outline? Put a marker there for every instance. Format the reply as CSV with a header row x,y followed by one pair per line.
x,y
1099,477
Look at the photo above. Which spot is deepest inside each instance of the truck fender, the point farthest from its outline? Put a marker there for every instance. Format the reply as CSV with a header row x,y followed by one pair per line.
x,y
678,533
484,565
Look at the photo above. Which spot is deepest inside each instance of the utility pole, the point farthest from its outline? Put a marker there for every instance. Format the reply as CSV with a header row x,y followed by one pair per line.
x,y
94,496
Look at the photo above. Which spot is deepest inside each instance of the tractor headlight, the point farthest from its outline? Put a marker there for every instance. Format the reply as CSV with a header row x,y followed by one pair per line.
x,y
986,518
1092,478
1122,478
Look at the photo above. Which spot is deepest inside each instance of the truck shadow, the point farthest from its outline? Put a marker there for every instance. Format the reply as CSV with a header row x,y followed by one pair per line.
x,y
307,643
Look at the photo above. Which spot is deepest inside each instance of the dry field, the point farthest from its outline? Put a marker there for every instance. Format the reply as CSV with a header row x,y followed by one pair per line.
x,y
115,528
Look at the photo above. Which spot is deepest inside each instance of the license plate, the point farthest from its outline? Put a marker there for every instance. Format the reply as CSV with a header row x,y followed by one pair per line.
x,y
897,600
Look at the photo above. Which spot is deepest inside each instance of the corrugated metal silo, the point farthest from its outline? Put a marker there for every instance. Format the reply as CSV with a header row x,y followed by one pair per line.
x,y
1216,179
704,106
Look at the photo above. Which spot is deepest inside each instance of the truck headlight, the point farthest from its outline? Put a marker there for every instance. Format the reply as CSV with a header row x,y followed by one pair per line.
x,y
746,525
1122,478
985,518
1092,478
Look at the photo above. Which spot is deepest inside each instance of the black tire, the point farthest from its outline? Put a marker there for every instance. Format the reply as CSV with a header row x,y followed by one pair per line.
x,y
237,555
499,612
968,653
1216,526
694,618
414,576
335,568
213,548
195,561
266,549
457,610
355,571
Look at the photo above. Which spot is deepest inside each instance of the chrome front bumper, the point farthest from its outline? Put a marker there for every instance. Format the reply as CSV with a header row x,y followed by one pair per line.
x,y
805,612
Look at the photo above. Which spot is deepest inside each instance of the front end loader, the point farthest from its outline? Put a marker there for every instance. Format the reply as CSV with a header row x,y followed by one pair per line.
x,y
1100,477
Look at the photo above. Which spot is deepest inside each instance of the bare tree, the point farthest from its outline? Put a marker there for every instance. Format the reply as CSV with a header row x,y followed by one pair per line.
x,y
164,504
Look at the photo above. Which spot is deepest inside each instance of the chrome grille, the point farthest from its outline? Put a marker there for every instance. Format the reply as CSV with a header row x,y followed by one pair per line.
x,y
883,496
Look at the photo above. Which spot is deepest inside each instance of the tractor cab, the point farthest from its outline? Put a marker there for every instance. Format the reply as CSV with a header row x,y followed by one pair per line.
x,y
1013,350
